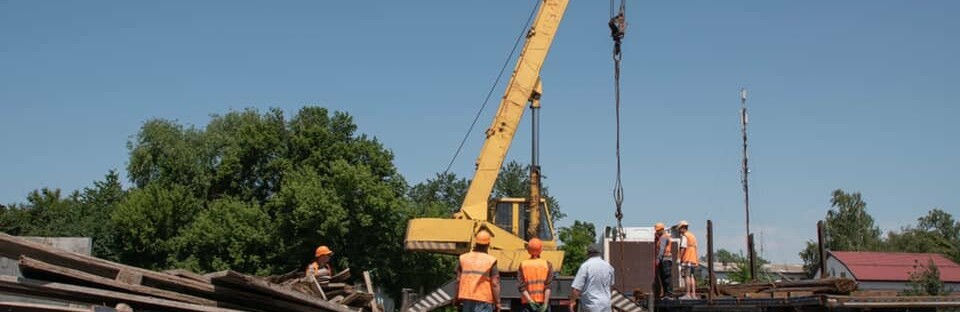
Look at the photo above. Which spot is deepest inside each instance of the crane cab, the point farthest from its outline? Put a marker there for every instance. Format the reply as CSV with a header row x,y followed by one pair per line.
x,y
512,215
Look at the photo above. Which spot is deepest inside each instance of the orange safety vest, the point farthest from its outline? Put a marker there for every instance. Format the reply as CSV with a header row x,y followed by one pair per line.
x,y
315,268
535,275
690,255
475,277
668,253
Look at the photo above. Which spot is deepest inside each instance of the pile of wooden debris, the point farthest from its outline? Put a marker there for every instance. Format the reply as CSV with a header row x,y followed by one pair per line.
x,y
61,276
833,286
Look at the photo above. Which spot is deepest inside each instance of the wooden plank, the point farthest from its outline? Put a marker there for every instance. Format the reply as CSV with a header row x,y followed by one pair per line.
x,y
98,296
335,292
341,277
36,307
794,294
333,285
32,268
188,274
350,298
358,299
247,282
129,277
13,247
367,280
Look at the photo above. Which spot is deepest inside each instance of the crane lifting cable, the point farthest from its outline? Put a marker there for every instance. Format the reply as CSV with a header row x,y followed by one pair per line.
x,y
618,24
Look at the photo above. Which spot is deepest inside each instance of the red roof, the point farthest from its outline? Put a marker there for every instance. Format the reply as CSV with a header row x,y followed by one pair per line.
x,y
894,266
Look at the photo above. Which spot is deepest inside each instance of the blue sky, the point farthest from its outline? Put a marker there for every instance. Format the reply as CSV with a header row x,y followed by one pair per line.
x,y
859,95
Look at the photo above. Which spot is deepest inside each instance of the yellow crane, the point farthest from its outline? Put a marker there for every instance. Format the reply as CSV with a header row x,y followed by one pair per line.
x,y
511,221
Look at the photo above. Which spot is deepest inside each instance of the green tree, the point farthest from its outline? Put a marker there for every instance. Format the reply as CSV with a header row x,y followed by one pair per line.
x,y
83,213
437,197
46,213
811,258
149,221
575,240
96,206
925,281
256,192
514,181
741,265
724,257
229,234
937,232
848,227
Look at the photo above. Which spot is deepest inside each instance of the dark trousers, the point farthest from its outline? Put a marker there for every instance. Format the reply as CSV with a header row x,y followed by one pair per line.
x,y
476,306
663,274
528,308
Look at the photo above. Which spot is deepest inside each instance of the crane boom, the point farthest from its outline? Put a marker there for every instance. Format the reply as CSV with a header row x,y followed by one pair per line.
x,y
522,87
508,224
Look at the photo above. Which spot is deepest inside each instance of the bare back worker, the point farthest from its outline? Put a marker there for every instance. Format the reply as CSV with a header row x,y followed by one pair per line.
x,y
664,260
593,283
688,260
478,281
535,275
321,265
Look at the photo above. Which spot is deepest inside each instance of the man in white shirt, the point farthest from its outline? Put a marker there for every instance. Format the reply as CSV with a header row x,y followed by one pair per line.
x,y
593,283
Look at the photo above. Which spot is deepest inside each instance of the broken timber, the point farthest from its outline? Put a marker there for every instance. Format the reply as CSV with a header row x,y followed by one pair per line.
x,y
96,296
247,282
38,269
177,290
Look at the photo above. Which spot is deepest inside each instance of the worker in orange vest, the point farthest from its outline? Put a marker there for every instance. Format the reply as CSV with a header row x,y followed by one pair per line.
x,y
535,277
688,260
321,265
478,281
664,262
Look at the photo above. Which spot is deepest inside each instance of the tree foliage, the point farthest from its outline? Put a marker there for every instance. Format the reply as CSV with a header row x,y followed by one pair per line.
x,y
86,212
257,192
514,181
937,232
925,281
575,240
848,227
741,266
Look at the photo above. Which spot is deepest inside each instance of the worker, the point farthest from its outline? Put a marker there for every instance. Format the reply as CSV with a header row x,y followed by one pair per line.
x,y
535,276
478,281
664,261
321,265
593,283
688,259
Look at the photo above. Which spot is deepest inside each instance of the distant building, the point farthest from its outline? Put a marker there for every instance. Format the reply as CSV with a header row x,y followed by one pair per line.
x,y
888,271
778,271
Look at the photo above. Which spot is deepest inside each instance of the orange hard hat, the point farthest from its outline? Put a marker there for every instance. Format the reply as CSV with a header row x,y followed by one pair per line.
x,y
658,226
483,237
322,251
534,246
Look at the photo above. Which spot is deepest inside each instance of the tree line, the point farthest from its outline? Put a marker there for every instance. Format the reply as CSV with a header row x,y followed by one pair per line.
x,y
256,192
849,227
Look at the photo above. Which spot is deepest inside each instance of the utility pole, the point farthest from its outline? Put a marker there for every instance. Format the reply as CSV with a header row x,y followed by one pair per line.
x,y
745,179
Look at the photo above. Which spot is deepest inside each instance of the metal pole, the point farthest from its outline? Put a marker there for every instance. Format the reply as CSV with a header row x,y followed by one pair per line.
x,y
745,176
822,249
752,252
712,277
